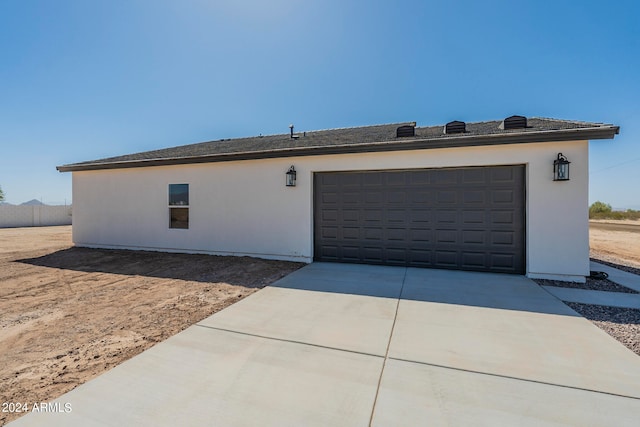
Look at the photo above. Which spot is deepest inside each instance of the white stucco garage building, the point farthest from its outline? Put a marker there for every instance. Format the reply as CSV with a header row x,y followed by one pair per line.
x,y
475,196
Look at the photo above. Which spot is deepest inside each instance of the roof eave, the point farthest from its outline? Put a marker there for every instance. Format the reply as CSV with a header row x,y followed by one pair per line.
x,y
600,132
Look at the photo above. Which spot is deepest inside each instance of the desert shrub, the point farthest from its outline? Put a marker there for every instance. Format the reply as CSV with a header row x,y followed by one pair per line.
x,y
600,210
632,214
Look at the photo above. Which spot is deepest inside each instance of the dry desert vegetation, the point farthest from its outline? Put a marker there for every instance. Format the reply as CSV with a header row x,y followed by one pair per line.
x,y
68,314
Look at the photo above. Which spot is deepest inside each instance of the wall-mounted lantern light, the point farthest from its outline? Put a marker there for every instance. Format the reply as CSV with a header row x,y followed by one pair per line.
x,y
561,168
291,177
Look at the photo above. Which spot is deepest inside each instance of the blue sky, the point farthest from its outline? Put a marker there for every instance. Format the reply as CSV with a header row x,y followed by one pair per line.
x,y
81,80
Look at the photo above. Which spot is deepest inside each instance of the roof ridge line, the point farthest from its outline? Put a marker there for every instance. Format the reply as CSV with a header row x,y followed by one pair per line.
x,y
583,122
357,127
287,134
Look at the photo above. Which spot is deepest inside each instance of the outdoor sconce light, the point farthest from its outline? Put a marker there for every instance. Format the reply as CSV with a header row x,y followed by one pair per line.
x,y
561,168
291,177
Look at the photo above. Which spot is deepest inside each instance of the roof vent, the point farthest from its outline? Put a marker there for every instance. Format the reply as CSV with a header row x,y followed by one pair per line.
x,y
293,135
514,122
405,131
455,127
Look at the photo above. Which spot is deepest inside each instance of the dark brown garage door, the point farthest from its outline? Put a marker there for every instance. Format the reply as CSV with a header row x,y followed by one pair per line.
x,y
461,218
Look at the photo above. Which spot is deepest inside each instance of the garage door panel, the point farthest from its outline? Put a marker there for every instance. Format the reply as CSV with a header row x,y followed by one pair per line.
x,y
397,197
445,197
502,197
373,254
449,216
351,253
474,197
445,176
329,233
420,216
474,176
351,215
420,235
396,255
420,177
461,218
397,215
330,215
473,216
372,180
395,179
329,198
351,233
422,196
473,260
446,258
350,180
503,175
351,198
420,257
329,253
327,180
396,234
371,233
502,217
374,197
371,215
503,238
502,261
474,237
447,236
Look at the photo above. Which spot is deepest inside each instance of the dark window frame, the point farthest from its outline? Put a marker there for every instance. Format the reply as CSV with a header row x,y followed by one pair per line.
x,y
178,202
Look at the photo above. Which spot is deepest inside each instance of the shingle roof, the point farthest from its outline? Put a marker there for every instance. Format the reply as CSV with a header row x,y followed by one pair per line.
x,y
354,140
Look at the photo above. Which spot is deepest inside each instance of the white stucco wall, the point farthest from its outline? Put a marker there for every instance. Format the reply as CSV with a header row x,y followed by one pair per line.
x,y
244,208
34,216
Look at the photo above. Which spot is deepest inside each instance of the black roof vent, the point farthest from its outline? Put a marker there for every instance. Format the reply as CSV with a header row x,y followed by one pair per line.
x,y
405,131
514,122
293,135
455,127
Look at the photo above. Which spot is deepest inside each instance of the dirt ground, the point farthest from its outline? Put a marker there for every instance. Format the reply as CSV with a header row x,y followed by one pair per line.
x,y
68,314
615,241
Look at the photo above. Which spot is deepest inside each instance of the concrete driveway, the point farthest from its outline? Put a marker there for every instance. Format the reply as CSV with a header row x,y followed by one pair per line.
x,y
354,345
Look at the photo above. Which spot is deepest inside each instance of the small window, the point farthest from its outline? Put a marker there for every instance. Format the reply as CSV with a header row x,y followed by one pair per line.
x,y
179,196
179,218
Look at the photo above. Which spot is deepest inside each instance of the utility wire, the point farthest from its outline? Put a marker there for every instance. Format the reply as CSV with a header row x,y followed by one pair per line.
x,y
617,164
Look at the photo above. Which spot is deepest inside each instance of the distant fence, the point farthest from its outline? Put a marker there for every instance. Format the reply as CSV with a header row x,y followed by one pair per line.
x,y
34,216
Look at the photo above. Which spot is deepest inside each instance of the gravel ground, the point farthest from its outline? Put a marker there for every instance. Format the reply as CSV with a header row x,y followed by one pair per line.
x,y
591,284
623,324
626,268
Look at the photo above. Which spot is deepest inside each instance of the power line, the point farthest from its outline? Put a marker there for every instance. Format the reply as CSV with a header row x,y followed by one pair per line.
x,y
617,164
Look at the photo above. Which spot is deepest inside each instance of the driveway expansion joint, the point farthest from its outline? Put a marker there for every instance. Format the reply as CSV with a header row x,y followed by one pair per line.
x,y
435,365
288,341
386,356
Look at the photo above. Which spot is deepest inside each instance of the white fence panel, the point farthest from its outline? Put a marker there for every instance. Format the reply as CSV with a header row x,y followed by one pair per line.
x,y
34,216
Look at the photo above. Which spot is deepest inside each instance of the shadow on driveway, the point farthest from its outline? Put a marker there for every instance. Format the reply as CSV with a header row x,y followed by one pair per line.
x,y
490,290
